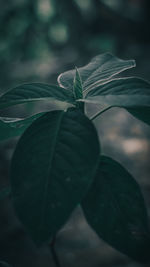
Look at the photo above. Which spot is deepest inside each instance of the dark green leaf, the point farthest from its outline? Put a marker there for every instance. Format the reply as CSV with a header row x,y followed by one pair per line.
x,y
35,92
141,113
52,168
130,93
115,208
12,127
100,69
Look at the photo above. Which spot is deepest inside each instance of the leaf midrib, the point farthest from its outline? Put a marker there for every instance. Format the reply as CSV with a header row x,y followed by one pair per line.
x,y
90,86
19,102
49,170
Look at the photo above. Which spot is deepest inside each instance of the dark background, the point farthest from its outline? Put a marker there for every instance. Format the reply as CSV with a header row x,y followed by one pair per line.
x,y
39,39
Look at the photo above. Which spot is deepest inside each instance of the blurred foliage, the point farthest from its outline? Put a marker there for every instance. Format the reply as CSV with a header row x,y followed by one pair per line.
x,y
39,38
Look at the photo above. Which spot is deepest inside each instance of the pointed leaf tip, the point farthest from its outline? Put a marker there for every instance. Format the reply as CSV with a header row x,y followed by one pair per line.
x,y
12,127
77,85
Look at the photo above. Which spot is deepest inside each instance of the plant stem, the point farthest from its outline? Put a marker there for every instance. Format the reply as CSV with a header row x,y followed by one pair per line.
x,y
53,250
80,105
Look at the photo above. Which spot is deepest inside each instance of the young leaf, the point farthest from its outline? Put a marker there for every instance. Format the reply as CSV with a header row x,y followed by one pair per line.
x,y
35,92
12,127
115,208
77,86
130,93
77,90
52,168
100,69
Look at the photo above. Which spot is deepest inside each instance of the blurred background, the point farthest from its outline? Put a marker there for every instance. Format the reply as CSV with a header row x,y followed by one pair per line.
x,y
39,39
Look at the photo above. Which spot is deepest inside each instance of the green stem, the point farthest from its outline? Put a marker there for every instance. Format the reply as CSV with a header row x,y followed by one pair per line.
x,y
53,250
80,105
99,113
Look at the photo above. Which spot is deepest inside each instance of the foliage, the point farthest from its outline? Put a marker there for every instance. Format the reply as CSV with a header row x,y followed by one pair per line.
x,y
57,163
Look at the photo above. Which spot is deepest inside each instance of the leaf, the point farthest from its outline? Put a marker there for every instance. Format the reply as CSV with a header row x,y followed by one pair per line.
x,y
77,90
34,92
5,192
12,127
77,86
141,113
130,93
102,67
115,208
52,168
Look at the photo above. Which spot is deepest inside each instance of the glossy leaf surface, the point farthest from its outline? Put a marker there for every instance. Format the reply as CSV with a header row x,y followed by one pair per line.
x,y
52,168
35,92
130,93
115,209
12,127
101,68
